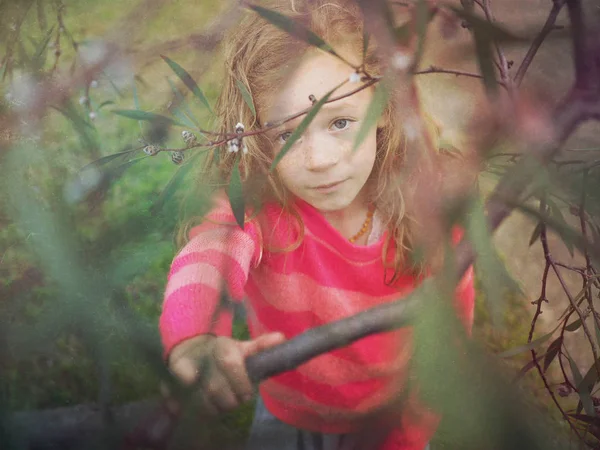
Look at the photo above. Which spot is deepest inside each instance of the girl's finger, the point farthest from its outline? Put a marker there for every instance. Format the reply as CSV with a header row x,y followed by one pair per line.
x,y
261,343
230,361
220,394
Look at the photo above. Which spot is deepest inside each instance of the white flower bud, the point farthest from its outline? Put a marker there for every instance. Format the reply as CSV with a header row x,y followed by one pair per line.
x,y
94,84
151,150
239,128
177,157
189,138
233,146
92,115
83,100
354,78
244,148
401,60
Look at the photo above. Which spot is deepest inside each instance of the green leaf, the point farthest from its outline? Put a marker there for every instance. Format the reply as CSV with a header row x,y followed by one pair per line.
x,y
136,100
536,233
236,196
188,81
403,33
374,111
559,217
144,115
295,29
106,159
574,325
485,28
106,103
553,350
483,49
526,347
173,184
37,57
422,20
495,279
591,377
190,119
366,38
303,125
584,393
246,96
597,332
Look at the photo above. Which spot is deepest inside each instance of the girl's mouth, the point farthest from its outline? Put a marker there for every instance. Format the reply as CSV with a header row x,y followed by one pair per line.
x,y
329,187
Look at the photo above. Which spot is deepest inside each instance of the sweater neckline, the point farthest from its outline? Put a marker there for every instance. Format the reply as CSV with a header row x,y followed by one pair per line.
x,y
320,227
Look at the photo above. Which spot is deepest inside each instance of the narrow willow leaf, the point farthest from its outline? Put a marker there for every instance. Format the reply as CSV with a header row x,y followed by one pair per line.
x,y
303,125
553,350
84,129
584,393
136,100
42,47
106,159
566,232
145,115
246,96
559,217
485,28
72,115
591,377
574,326
236,196
422,20
483,50
495,279
586,419
597,332
366,38
295,29
536,233
187,80
113,85
526,347
403,33
106,103
182,106
173,184
374,111
183,119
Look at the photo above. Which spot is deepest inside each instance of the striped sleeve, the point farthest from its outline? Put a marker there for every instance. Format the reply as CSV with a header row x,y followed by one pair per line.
x,y
218,257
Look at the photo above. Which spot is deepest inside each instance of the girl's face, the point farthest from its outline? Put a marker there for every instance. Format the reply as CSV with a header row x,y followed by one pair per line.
x,y
321,168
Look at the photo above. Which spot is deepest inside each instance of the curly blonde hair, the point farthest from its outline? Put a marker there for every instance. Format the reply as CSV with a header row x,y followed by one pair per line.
x,y
260,56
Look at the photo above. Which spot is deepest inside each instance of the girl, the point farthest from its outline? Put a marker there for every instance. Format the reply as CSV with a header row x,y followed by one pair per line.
x,y
330,240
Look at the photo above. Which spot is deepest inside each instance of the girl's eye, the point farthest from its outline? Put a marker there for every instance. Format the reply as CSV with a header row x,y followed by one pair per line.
x,y
341,124
284,137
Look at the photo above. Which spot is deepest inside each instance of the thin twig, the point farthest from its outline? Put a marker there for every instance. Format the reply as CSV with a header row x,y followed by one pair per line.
x,y
434,69
537,42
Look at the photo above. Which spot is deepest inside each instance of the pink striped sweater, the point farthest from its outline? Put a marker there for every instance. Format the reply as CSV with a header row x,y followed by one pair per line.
x,y
325,278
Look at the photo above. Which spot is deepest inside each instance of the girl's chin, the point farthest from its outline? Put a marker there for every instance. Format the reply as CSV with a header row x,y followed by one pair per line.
x,y
330,204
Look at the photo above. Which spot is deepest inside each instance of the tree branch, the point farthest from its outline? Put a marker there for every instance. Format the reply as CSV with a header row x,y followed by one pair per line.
x,y
537,42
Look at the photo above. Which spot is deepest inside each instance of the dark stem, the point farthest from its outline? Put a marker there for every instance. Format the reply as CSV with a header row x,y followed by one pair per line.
x,y
537,42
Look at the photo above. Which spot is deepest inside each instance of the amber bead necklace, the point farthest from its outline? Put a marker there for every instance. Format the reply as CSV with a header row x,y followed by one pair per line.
x,y
365,225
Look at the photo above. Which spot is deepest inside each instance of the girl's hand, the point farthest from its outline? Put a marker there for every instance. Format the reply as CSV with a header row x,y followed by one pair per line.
x,y
217,363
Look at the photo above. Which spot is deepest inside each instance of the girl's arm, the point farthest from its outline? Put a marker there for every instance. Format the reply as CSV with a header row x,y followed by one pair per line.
x,y
215,261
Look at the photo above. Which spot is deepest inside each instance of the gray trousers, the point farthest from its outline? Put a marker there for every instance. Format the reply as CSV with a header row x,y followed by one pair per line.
x,y
270,433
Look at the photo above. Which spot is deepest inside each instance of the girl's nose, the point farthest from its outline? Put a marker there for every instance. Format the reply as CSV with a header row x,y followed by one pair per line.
x,y
319,154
